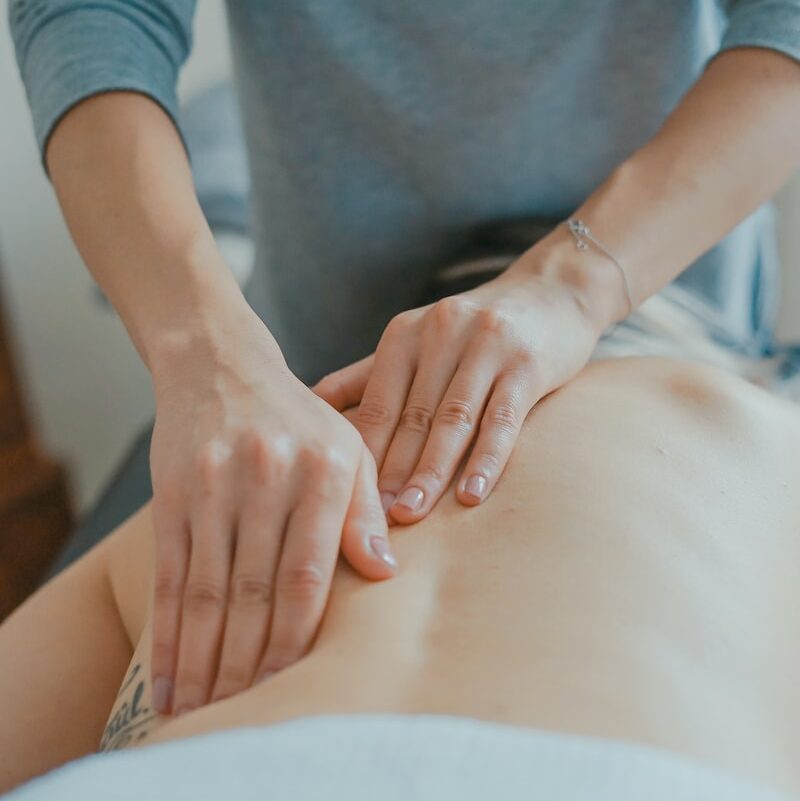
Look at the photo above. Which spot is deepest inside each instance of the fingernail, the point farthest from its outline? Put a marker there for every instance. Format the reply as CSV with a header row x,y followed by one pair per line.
x,y
162,695
411,498
381,549
475,486
387,499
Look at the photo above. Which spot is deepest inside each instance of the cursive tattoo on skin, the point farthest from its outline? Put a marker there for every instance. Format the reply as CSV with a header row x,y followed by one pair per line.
x,y
130,717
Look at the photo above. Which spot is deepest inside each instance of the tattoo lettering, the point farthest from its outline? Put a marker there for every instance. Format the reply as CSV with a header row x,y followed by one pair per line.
x,y
129,720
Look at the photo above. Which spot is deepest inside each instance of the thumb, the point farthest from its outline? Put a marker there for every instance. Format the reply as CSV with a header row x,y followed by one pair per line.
x,y
365,536
345,388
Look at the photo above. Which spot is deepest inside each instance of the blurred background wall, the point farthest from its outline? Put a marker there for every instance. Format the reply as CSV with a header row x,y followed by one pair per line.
x,y
85,385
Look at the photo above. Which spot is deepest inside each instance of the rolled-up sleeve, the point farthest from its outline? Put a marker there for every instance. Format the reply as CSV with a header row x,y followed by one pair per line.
x,y
68,50
774,24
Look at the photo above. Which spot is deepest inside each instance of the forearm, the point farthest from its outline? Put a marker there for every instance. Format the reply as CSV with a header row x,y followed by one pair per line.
x,y
124,184
726,149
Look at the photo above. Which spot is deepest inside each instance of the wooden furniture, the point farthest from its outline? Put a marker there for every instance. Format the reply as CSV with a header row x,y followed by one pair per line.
x,y
35,511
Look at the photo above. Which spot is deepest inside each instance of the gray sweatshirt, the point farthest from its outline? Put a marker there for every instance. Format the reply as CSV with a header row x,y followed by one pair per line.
x,y
381,132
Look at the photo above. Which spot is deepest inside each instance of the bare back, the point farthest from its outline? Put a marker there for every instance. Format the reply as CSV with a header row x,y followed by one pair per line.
x,y
633,576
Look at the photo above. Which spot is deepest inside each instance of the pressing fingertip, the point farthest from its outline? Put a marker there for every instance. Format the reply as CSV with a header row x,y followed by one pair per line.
x,y
381,548
473,490
162,695
411,499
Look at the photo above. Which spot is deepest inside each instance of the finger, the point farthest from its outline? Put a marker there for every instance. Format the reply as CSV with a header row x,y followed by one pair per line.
x,y
251,597
305,570
440,351
512,399
204,603
387,387
345,388
171,564
454,428
365,536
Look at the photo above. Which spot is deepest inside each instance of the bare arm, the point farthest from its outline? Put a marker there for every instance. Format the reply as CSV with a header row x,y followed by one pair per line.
x,y
124,184
726,149
256,480
62,653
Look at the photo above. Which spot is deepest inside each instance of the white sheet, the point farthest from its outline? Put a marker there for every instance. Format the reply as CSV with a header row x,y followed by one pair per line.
x,y
390,758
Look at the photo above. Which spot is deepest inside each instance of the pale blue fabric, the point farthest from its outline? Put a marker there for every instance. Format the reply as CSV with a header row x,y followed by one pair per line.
x,y
391,758
379,134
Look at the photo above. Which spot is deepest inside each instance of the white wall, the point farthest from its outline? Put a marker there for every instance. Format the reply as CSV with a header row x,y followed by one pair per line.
x,y
87,390
86,387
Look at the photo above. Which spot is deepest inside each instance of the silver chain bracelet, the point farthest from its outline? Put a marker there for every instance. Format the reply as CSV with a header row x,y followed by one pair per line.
x,y
583,235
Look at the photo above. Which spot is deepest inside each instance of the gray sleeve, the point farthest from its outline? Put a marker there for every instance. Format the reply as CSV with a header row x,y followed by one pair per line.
x,y
68,50
774,24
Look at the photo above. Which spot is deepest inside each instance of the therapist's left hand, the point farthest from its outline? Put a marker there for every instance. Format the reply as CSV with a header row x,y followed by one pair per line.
x,y
464,372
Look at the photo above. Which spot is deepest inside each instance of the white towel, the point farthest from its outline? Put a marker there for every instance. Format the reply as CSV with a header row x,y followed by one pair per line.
x,y
390,758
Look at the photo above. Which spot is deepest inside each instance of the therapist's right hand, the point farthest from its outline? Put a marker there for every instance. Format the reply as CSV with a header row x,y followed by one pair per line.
x,y
257,483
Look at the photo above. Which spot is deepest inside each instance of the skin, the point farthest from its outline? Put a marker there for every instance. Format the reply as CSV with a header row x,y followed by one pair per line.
x,y
633,577
236,434
247,460
459,377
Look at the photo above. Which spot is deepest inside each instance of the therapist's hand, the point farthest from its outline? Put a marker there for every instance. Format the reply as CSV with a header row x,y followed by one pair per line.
x,y
464,373
257,482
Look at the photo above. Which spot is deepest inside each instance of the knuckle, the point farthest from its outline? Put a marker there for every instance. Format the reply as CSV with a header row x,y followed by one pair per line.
x,y
251,591
318,457
267,457
416,418
526,359
504,416
166,587
329,461
203,597
303,582
449,311
493,321
524,370
456,413
373,414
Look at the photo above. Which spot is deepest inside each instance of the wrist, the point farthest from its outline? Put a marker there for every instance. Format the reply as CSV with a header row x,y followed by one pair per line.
x,y
189,309
222,333
589,277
